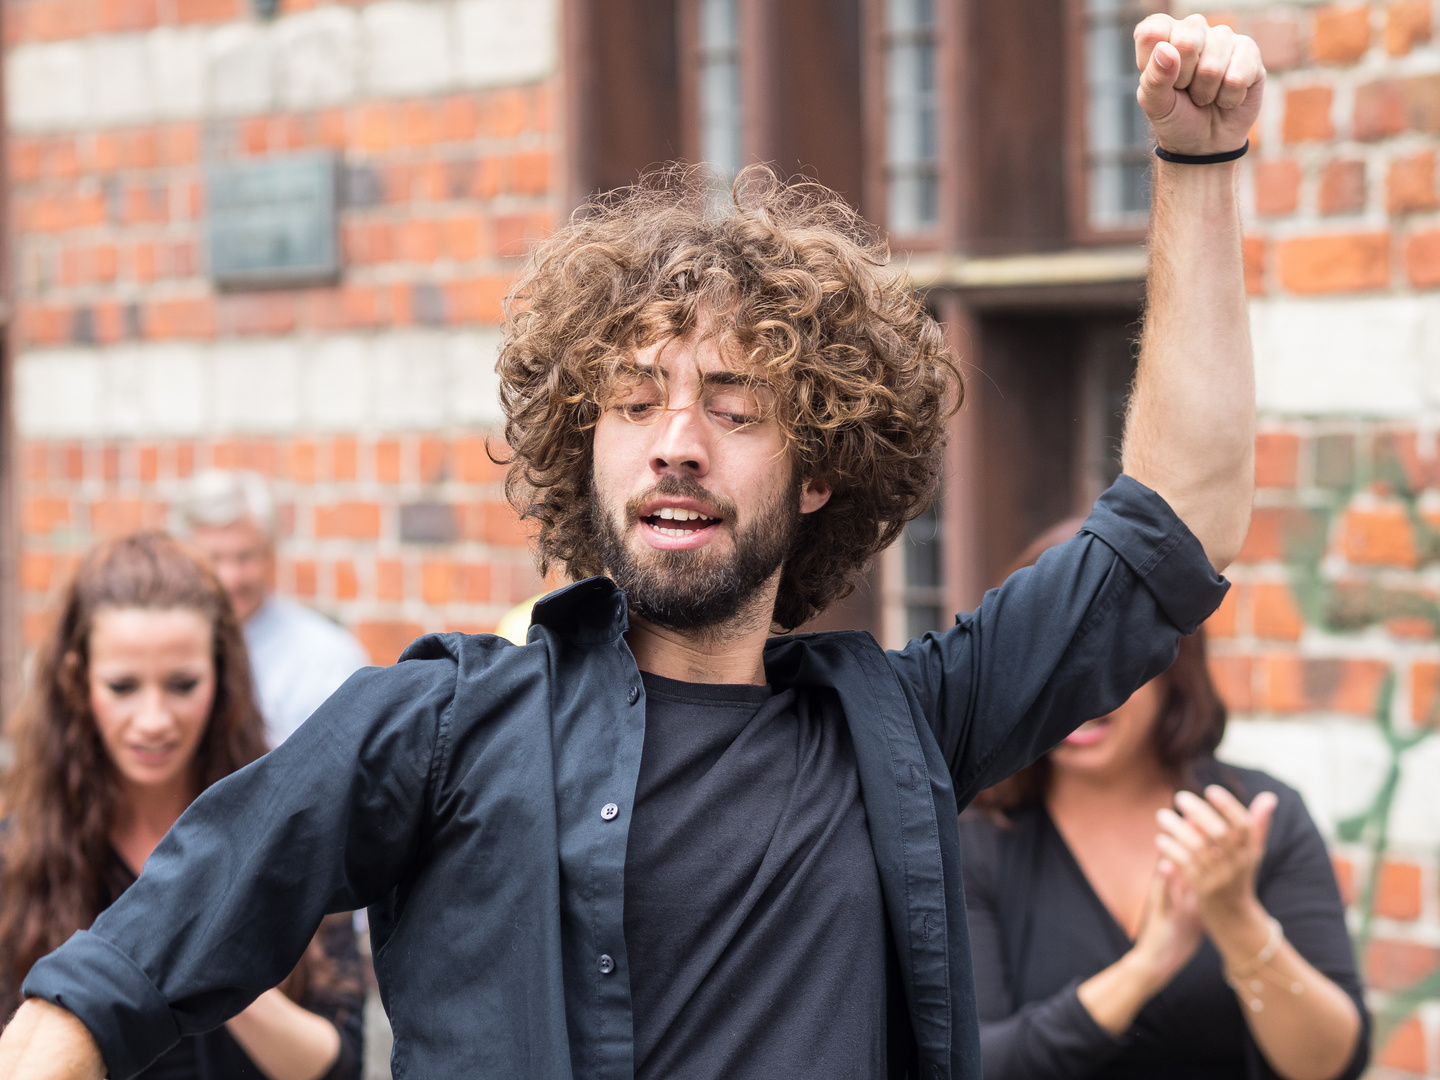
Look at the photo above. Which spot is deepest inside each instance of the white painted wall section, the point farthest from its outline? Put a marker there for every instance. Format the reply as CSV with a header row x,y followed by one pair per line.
x,y
400,380
323,57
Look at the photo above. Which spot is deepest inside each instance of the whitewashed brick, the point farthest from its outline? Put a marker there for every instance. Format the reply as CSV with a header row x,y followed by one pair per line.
x,y
45,86
505,41
410,384
124,402
474,385
117,80
407,47
176,58
239,70
1341,357
58,393
175,384
337,384
318,57
256,386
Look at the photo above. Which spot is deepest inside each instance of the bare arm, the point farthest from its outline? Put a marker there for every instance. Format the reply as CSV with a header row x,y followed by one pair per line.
x,y
1190,434
44,1042
285,1040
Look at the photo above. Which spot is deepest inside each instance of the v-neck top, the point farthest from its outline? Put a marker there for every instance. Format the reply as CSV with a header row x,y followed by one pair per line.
x,y
1038,929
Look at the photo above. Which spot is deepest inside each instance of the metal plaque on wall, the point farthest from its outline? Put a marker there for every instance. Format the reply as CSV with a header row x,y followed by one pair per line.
x,y
272,222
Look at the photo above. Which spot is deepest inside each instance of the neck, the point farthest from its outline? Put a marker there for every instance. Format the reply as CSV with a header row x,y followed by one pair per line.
x,y
146,814
1142,783
732,652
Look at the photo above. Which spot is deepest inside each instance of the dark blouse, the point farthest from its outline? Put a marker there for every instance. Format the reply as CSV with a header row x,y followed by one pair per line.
x,y
1037,930
333,987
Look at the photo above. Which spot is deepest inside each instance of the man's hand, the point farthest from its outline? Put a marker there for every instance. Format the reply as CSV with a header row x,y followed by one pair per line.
x,y
45,1042
1200,85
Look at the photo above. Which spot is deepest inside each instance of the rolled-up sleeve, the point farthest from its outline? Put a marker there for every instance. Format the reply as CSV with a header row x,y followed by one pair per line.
x,y
1063,641
233,895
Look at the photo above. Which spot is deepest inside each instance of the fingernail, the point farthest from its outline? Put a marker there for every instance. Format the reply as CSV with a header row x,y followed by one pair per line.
x,y
1163,59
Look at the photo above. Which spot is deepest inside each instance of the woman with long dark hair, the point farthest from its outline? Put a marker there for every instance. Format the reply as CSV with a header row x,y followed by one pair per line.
x,y
140,699
1139,909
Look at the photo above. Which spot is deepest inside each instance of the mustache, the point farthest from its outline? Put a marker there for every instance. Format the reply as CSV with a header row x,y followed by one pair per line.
x,y
679,487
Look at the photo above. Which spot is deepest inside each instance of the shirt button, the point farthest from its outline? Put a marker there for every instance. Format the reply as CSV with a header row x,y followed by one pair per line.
x,y
609,811
634,694
607,965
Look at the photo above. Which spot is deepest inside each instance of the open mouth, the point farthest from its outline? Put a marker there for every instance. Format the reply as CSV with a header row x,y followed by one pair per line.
x,y
678,522
1089,733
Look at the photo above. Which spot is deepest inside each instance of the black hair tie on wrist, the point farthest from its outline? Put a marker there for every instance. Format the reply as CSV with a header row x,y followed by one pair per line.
x,y
1201,159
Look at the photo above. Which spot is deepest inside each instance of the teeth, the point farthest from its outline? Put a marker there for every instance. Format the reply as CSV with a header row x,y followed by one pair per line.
x,y
673,513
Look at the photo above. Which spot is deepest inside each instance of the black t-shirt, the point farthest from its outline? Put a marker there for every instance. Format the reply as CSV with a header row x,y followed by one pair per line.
x,y
754,920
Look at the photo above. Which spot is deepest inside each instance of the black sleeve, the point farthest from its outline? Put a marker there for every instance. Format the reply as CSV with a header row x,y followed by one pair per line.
x,y
327,822
1061,642
336,991
1053,1039
1296,885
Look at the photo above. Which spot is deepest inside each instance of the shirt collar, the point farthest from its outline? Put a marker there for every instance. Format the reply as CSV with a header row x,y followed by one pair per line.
x,y
589,612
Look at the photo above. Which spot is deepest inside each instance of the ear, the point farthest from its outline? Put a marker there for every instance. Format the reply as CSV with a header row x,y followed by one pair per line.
x,y
814,494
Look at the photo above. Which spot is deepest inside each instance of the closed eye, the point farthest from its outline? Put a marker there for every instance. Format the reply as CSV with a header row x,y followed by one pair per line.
x,y
121,687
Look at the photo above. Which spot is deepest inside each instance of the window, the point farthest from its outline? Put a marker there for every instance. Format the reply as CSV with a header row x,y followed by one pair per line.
x,y
1117,136
719,78
922,549
911,144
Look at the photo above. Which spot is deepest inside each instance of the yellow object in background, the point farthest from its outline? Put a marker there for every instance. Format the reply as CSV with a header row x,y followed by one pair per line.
x,y
515,623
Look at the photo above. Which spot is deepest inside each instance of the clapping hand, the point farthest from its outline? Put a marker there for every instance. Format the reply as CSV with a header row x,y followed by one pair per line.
x,y
1215,845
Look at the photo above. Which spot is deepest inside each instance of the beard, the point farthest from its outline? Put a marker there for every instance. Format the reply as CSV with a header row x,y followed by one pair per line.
x,y
696,589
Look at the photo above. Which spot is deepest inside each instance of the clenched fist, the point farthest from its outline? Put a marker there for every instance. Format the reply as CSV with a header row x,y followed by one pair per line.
x,y
1200,85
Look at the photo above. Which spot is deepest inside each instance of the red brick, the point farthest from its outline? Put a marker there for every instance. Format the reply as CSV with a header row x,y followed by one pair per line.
x,y
387,461
259,313
515,233
1232,678
1276,615
35,571
435,582
473,460
501,526
476,300
347,583
1344,262
120,15
470,583
343,456
434,456
1344,878
1342,187
1422,259
503,114
35,627
419,125
1379,109
1277,459
1410,184
180,318
356,520
1397,895
147,461
386,640
530,173
376,128
1382,536
1293,684
185,460
389,579
1278,35
180,144
110,464
43,515
1277,187
1341,34
1225,622
300,461
1422,102
305,577
1395,965
459,119
116,516
1253,253
1407,23
1307,114
1424,680
191,11
1405,1050
460,238
26,156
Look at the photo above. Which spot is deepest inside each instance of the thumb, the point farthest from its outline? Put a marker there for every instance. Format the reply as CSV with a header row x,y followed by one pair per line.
x,y
1262,811
1157,82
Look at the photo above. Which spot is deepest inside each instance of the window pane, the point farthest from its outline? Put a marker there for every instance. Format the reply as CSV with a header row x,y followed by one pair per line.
x,y
1117,134
911,141
922,546
720,116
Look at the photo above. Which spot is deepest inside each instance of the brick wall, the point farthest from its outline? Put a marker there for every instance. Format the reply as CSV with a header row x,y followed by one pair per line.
x,y
363,400
1326,648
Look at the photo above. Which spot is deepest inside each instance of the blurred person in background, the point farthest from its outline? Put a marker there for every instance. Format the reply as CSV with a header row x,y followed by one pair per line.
x,y
1097,956
140,700
298,656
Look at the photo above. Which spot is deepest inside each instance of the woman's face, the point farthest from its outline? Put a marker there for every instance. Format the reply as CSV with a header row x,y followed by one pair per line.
x,y
152,683
1116,743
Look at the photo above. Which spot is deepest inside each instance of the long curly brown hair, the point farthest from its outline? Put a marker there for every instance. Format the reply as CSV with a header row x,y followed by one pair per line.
x,y
63,794
788,277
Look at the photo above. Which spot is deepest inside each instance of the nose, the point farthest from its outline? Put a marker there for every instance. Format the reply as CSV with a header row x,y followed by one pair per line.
x,y
152,716
681,443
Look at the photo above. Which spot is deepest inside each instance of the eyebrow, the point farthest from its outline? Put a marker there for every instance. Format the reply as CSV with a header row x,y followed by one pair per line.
x,y
707,378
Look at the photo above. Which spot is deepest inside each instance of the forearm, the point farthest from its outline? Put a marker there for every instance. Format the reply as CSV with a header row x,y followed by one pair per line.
x,y
1191,430
44,1042
286,1041
1304,1035
1115,996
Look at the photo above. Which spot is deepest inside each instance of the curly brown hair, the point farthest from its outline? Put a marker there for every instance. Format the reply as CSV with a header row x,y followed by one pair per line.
x,y
63,793
787,276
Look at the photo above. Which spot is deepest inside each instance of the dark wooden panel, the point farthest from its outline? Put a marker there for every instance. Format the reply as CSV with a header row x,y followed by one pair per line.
x,y
625,89
1017,53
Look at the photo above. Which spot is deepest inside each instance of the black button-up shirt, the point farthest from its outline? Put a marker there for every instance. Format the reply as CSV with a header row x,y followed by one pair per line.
x,y
460,795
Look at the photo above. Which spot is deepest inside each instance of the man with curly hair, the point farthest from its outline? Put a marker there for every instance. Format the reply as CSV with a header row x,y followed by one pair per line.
x,y
655,841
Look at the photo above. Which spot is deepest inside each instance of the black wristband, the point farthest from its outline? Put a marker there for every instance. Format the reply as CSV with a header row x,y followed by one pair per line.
x,y
1201,159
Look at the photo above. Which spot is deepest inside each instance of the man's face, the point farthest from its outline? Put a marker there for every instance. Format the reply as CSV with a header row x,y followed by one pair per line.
x,y
695,504
243,560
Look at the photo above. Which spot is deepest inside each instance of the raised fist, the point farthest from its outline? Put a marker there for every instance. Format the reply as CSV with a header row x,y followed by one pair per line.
x,y
1200,85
